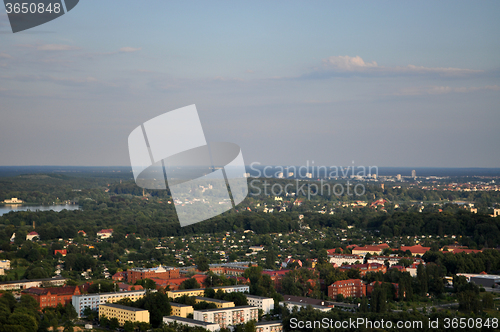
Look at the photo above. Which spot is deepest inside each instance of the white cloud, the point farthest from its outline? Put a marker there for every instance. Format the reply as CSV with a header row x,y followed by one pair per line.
x,y
440,90
129,49
347,64
56,47
438,70
5,56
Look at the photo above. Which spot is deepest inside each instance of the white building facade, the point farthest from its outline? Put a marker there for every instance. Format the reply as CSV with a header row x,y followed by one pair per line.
x,y
264,303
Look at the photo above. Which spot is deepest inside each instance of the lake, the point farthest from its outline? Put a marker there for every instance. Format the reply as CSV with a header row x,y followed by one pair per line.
x,y
19,207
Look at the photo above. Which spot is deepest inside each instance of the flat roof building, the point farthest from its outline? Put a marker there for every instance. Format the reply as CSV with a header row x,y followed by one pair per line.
x,y
123,313
227,316
191,323
271,326
201,291
218,303
93,301
300,305
264,303
181,310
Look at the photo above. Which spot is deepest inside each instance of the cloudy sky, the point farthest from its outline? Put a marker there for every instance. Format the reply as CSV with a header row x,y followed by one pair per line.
x,y
386,83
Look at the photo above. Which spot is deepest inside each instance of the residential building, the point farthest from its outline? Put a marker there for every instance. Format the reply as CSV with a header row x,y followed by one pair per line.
x,y
256,248
93,301
51,297
218,303
289,261
175,283
25,284
271,326
201,291
120,276
63,252
415,250
105,233
300,305
123,313
181,310
227,316
348,288
341,259
5,264
160,272
31,235
264,303
126,287
212,327
374,250
13,200
365,268
392,260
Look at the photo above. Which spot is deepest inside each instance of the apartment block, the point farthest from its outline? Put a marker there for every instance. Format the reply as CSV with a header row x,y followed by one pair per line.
x,y
365,268
348,288
341,259
123,313
264,303
271,326
218,303
93,301
201,291
212,327
300,305
25,284
227,316
160,272
181,310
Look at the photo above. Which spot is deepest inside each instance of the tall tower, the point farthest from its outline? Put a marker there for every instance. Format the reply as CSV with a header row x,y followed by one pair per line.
x,y
413,173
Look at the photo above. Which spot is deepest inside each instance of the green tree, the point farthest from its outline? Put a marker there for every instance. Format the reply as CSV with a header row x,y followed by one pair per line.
x,y
190,283
29,322
202,263
113,324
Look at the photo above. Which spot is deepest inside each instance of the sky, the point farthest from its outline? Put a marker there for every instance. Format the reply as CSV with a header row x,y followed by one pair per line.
x,y
379,83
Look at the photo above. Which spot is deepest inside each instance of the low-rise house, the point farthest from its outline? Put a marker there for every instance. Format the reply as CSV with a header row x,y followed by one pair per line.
x,y
105,233
32,235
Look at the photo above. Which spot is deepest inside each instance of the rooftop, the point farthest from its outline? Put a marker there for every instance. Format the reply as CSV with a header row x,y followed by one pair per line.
x,y
119,306
228,309
189,320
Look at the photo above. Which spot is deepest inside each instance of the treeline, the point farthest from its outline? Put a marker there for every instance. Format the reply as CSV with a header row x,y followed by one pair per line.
x,y
157,219
487,261
400,193
477,230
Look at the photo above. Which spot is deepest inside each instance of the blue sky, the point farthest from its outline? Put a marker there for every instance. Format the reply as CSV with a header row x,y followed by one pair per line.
x,y
383,83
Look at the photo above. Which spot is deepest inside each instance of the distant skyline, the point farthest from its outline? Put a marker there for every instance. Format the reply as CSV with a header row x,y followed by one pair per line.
x,y
402,84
